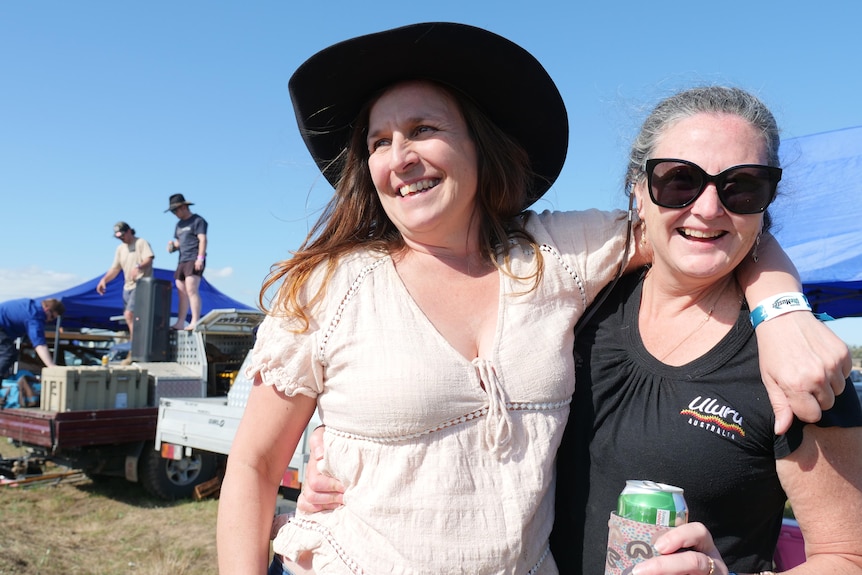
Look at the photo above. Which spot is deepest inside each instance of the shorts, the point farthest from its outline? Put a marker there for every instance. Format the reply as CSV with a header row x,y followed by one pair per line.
x,y
187,269
129,299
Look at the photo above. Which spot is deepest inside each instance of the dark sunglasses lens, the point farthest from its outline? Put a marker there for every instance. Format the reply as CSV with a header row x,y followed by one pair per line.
x,y
747,190
674,184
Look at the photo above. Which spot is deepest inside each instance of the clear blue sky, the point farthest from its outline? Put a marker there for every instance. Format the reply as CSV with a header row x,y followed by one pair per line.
x,y
108,108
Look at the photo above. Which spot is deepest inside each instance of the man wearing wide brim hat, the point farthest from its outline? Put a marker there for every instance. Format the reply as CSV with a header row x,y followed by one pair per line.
x,y
190,239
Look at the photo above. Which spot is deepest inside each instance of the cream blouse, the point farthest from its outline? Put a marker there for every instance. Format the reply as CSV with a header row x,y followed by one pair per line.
x,y
448,464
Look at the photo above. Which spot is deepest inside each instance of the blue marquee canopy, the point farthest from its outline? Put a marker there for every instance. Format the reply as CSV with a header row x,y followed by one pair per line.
x,y
87,309
818,217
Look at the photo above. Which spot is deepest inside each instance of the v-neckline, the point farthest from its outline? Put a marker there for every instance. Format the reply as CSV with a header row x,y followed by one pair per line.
x,y
447,344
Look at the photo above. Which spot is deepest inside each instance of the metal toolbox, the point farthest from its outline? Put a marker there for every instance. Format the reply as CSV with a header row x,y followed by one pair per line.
x,y
169,379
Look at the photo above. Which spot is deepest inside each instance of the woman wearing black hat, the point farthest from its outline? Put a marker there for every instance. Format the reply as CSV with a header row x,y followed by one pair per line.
x,y
428,316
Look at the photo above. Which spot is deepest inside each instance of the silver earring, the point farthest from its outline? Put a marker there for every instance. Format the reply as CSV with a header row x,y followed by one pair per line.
x,y
756,245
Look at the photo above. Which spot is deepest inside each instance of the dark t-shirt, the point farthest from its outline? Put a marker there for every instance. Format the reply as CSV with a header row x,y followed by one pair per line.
x,y
186,232
706,427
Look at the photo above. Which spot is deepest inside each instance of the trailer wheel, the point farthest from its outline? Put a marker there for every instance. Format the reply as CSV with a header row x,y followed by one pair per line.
x,y
171,479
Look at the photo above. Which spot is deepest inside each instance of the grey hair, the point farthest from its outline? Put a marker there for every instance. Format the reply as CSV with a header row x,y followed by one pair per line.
x,y
703,100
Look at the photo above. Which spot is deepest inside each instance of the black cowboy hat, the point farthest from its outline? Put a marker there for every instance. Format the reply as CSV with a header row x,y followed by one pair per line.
x,y
329,89
176,201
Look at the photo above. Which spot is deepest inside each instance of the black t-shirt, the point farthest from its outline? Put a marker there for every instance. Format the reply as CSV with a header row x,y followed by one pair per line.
x,y
186,232
706,427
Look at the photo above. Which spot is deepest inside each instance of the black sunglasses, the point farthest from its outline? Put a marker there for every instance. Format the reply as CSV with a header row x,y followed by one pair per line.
x,y
744,189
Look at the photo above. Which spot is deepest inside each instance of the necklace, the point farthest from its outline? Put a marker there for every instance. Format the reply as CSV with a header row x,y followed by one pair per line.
x,y
698,326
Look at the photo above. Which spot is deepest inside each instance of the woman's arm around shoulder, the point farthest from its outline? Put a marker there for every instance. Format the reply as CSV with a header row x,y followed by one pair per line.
x,y
802,362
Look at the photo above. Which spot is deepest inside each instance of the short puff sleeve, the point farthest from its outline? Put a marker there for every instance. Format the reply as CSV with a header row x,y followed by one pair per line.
x,y
286,359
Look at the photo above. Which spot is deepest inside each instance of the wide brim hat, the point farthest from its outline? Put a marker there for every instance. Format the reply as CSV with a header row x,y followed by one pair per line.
x,y
176,201
507,83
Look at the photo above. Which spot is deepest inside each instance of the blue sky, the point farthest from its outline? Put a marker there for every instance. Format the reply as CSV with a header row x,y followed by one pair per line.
x,y
108,108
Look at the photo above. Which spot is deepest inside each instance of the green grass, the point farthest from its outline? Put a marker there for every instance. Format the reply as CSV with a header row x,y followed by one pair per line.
x,y
107,527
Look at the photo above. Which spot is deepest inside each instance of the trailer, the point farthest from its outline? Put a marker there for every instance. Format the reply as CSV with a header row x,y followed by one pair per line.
x,y
100,420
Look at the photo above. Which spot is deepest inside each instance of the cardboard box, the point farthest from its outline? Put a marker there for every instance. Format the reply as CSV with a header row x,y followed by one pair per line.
x,y
74,388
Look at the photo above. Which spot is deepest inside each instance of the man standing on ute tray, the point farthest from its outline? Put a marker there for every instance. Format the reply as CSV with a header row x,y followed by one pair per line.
x,y
190,238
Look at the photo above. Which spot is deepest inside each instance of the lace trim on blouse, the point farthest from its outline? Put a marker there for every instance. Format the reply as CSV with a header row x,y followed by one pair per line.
x,y
573,273
519,406
354,567
351,292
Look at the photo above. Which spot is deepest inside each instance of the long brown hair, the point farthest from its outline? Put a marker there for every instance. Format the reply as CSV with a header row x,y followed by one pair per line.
x,y
354,216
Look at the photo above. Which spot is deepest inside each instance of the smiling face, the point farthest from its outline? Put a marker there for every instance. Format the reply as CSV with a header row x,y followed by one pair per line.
x,y
703,241
423,163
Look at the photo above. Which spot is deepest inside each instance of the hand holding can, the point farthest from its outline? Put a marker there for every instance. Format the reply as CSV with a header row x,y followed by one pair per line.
x,y
645,510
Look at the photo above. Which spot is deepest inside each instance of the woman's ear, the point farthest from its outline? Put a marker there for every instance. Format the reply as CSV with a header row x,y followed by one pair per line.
x,y
638,191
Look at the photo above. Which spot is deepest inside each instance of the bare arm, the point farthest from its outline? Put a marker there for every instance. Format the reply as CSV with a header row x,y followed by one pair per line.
x,y
803,363
268,434
45,355
142,267
202,247
823,481
103,283
146,264
202,251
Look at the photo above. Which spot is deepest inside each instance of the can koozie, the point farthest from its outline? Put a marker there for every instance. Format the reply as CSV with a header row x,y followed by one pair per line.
x,y
629,543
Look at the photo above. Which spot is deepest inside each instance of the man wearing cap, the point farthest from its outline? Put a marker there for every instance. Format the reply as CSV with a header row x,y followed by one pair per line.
x,y
190,239
134,257
20,317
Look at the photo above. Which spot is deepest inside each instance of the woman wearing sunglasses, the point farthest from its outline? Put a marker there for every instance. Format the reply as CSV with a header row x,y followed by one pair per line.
x,y
668,382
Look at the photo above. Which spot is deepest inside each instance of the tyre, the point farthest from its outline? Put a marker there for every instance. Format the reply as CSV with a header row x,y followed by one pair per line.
x,y
171,479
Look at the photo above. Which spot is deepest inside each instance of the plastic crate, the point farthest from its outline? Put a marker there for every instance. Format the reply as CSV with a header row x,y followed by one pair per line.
x,y
127,387
76,388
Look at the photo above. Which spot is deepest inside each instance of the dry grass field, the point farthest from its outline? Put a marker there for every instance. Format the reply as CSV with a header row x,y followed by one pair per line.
x,y
108,527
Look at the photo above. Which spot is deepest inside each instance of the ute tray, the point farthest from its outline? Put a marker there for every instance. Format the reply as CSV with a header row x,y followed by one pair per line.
x,y
56,430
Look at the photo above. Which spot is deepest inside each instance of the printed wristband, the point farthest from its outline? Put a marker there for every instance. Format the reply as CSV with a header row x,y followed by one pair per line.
x,y
777,305
202,258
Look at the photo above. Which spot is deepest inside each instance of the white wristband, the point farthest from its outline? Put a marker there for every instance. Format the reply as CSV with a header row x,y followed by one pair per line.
x,y
777,305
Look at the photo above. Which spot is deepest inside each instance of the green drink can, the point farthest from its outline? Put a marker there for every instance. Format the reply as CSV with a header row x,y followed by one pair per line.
x,y
653,503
